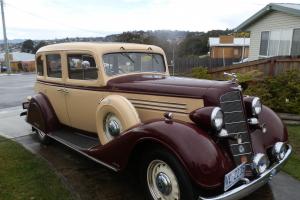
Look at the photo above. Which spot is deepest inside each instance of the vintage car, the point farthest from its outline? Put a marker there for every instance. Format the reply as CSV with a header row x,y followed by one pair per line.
x,y
116,104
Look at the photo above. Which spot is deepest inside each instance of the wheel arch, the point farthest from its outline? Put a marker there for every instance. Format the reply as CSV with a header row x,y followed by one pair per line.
x,y
41,114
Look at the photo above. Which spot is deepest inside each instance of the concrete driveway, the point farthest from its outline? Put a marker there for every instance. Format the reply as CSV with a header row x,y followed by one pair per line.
x,y
85,178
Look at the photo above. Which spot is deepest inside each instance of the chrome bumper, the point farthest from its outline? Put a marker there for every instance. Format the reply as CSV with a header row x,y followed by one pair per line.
x,y
248,188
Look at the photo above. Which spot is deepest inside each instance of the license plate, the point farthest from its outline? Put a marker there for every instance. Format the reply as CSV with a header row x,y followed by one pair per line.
x,y
234,176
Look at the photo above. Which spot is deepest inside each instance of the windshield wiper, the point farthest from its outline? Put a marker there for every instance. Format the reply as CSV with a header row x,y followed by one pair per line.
x,y
127,56
153,57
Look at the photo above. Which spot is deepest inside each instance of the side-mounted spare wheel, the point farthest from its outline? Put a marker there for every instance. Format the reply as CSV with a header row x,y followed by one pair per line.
x,y
115,114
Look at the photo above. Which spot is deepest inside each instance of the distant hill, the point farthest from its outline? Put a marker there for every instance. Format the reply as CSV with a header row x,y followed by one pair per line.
x,y
14,41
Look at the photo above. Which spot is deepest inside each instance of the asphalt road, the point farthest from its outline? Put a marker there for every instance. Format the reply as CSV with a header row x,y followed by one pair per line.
x,y
15,88
85,178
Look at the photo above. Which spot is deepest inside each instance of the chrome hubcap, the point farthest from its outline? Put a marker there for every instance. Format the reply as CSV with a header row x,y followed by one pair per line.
x,y
162,182
113,126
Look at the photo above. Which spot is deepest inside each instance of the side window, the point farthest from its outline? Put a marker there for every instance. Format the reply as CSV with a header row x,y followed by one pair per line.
x,y
39,66
296,43
82,67
54,65
264,43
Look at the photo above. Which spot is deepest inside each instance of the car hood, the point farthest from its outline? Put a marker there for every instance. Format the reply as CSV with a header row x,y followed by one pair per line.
x,y
208,90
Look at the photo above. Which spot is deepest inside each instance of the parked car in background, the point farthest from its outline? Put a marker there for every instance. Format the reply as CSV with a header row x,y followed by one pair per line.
x,y
3,69
116,104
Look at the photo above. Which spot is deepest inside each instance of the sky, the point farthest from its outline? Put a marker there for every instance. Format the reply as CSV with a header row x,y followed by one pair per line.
x,y
50,19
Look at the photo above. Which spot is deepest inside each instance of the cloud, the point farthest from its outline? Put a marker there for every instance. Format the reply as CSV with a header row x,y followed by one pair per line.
x,y
68,18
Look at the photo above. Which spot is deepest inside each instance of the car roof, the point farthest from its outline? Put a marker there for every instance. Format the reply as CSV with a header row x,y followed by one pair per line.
x,y
103,47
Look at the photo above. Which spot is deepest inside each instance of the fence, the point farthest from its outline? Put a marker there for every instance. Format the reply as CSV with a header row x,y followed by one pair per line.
x,y
186,64
268,67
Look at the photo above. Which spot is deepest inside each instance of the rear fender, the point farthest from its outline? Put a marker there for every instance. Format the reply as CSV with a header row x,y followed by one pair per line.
x,y
41,114
205,161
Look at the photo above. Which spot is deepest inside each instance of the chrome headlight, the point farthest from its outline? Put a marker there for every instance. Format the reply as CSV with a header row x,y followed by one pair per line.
x,y
217,118
256,106
279,150
260,163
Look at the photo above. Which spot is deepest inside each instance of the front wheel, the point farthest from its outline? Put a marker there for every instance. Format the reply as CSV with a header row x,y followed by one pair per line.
x,y
164,178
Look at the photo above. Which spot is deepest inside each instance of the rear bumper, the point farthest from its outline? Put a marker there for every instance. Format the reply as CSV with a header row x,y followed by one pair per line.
x,y
248,188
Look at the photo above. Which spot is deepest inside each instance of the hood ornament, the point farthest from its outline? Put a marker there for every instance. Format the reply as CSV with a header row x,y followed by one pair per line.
x,y
233,76
234,79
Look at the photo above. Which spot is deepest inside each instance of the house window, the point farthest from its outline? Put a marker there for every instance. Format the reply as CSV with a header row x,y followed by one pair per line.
x,y
235,52
276,43
54,65
82,67
264,43
296,43
39,66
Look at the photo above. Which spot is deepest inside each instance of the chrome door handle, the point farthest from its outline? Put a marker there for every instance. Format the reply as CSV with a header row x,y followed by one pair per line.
x,y
60,89
66,91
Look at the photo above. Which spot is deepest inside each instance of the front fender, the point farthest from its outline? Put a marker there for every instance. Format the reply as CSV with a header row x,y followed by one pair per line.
x,y
276,131
204,160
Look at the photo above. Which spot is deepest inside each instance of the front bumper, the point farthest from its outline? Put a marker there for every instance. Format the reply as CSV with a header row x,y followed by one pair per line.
x,y
248,188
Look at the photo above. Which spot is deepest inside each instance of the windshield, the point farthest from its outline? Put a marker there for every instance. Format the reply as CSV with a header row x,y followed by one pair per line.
x,y
127,62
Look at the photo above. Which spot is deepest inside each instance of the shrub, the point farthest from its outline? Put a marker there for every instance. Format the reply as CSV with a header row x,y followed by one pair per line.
x,y
201,73
281,93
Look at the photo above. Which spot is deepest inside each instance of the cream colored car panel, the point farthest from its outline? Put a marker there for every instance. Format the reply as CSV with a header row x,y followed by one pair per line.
x,y
76,107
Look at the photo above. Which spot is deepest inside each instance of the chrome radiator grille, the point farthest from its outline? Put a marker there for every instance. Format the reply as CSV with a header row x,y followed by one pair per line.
x,y
236,125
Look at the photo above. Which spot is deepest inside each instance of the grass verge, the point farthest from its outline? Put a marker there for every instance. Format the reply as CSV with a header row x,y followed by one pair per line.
x,y
293,165
26,176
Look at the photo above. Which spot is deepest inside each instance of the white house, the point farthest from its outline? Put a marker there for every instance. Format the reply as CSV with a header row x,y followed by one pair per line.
x,y
274,31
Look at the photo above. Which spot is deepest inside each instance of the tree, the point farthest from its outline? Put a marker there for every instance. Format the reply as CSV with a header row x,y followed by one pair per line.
x,y
27,46
39,45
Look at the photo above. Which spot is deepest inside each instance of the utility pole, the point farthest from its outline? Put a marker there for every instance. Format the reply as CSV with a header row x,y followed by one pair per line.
x,y
6,57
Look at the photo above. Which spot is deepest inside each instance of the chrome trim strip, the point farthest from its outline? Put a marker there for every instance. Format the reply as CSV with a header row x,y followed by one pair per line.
x,y
237,111
248,188
238,132
240,143
230,101
159,109
158,105
241,154
235,122
151,101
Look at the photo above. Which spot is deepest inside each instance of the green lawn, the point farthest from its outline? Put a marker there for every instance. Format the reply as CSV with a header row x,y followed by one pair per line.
x,y
25,176
293,165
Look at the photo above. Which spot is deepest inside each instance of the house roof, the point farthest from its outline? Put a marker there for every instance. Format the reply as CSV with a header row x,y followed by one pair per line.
x,y
215,41
19,56
289,8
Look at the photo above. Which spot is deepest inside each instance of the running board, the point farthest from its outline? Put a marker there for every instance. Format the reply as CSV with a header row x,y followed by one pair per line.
x,y
80,143
77,140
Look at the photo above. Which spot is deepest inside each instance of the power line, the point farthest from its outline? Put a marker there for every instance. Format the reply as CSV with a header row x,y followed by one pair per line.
x,y
51,20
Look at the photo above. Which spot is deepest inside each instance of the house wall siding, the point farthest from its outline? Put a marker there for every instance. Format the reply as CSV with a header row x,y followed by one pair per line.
x,y
272,21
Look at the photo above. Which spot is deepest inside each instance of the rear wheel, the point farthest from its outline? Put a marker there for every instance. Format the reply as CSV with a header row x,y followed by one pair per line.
x,y
164,178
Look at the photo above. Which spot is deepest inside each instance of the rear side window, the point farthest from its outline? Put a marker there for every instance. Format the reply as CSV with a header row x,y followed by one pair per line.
x,y
54,65
82,67
39,66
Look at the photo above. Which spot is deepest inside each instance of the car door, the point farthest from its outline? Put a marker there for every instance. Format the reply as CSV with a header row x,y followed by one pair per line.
x,y
54,89
82,98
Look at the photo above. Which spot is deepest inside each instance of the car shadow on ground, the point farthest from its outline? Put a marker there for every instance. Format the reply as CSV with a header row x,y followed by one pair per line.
x,y
89,180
